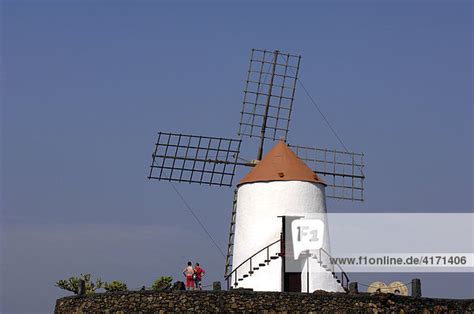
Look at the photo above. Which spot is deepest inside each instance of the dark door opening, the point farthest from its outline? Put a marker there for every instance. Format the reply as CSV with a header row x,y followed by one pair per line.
x,y
292,282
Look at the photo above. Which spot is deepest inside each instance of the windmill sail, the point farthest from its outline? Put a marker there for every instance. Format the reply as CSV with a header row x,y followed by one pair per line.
x,y
341,171
269,94
195,159
266,113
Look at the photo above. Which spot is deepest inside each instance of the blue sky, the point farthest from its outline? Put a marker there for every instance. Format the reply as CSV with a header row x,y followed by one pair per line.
x,y
87,85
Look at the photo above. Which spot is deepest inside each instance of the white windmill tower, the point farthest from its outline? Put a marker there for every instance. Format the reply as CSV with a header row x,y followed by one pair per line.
x,y
281,187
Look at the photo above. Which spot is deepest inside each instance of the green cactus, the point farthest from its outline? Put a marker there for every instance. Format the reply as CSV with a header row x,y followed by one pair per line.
x,y
162,283
72,284
115,286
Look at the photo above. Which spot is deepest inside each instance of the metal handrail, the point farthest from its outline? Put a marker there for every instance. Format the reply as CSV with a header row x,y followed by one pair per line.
x,y
344,277
229,276
343,273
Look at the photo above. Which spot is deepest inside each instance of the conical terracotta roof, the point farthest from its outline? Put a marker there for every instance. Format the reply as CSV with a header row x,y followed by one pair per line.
x,y
281,164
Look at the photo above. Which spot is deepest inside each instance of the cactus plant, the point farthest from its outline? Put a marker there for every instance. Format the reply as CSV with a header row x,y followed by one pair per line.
x,y
162,283
115,286
72,284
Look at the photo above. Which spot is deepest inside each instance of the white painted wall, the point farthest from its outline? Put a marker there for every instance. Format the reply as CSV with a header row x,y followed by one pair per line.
x,y
319,278
257,225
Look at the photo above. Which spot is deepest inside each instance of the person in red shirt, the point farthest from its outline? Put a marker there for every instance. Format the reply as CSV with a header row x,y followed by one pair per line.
x,y
199,274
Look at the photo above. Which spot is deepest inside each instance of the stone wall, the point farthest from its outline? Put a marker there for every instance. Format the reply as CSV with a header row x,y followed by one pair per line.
x,y
255,302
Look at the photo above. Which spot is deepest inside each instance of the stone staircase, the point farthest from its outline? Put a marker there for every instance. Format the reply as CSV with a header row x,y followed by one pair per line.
x,y
341,277
249,267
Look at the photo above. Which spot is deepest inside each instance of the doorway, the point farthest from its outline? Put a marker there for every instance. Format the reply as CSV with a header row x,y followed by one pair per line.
x,y
292,282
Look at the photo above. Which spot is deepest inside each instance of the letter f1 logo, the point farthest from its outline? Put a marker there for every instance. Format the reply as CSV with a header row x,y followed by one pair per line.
x,y
307,234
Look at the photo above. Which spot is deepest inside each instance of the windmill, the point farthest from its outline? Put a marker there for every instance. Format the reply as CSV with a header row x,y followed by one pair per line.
x,y
290,179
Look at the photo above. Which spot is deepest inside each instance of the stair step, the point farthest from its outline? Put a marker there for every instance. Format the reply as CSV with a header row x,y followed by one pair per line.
x,y
251,272
240,279
267,261
245,276
274,257
338,281
261,264
255,268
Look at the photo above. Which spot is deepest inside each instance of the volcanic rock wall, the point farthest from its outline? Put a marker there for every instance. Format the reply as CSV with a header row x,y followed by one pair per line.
x,y
256,302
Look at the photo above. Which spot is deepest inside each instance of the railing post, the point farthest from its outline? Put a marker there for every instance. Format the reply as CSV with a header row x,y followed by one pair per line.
x,y
353,288
251,268
416,288
268,255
